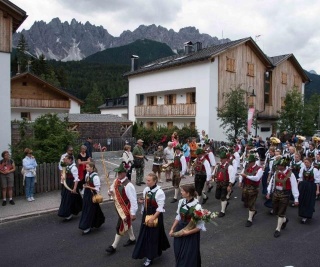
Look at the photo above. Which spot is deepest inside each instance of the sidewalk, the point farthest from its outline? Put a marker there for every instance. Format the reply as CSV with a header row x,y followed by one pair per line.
x,y
50,201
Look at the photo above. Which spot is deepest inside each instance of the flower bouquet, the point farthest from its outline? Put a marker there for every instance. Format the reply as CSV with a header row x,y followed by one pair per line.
x,y
197,214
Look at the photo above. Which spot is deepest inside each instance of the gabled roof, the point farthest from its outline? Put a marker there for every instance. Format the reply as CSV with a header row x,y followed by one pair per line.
x,y
52,87
18,15
201,55
93,118
277,60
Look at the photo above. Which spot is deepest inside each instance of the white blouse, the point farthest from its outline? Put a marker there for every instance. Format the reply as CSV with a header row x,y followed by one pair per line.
x,y
160,197
182,202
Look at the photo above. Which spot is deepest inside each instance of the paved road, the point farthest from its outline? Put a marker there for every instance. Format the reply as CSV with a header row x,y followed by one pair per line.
x,y
47,241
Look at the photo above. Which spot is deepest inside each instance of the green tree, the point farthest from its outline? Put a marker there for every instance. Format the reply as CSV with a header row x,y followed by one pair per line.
x,y
294,117
40,66
233,114
93,101
22,57
49,140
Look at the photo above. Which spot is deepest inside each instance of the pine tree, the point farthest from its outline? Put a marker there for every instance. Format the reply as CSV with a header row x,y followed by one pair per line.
x,y
93,100
23,58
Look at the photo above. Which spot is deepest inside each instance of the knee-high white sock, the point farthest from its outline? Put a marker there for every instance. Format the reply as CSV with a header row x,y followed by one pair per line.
x,y
176,193
198,198
131,234
281,220
251,214
116,241
204,196
223,206
205,187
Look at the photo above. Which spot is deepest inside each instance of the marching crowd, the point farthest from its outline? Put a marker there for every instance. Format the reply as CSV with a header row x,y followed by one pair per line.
x,y
289,175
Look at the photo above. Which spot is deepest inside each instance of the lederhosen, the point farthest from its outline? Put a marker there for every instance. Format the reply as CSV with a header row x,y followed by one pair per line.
x,y
222,179
200,175
122,191
176,169
158,159
251,188
282,191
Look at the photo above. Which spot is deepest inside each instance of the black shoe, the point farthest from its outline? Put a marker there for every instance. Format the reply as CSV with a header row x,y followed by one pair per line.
x,y
248,223
4,202
284,224
276,234
209,189
292,205
143,183
304,220
12,202
227,206
129,243
271,212
111,249
138,184
204,200
221,214
173,200
86,232
255,213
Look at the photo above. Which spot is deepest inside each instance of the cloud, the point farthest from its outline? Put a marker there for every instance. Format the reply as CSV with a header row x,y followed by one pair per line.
x,y
128,11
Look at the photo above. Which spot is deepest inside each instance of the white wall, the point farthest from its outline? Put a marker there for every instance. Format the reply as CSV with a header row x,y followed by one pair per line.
x,y
34,113
116,111
263,134
5,130
202,76
74,107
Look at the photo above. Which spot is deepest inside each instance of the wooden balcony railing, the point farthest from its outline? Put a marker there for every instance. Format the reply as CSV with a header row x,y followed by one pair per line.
x,y
39,103
178,110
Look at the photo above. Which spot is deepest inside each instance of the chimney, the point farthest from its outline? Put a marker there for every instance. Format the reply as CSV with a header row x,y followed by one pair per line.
x,y
188,47
198,46
134,62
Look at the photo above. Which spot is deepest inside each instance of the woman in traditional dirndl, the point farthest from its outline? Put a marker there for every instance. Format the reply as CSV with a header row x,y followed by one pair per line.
x,y
187,246
92,215
308,190
152,240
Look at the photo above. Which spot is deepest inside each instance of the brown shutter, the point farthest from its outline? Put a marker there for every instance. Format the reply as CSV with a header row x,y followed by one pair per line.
x,y
155,100
188,98
174,97
166,99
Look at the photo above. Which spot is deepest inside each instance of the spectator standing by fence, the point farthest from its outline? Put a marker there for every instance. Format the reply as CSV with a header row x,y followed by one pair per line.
x,y
29,165
7,168
127,158
82,159
139,156
88,144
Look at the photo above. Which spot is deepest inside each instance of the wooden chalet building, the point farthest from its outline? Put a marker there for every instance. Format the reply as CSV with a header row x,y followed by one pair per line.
x,y
187,89
32,97
11,17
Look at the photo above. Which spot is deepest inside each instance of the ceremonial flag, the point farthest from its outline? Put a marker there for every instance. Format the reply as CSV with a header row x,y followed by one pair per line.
x,y
250,118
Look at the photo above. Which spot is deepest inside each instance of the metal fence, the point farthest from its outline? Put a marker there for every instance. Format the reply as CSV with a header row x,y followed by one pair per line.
x,y
112,144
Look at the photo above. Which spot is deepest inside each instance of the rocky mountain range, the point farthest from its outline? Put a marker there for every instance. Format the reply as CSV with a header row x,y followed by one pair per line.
x,y
75,41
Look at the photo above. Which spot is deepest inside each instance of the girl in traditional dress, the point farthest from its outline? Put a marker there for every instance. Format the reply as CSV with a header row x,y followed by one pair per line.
x,y
152,240
308,190
92,215
187,247
127,158
71,201
175,139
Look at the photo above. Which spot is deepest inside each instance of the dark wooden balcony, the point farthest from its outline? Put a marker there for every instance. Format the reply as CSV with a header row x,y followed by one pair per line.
x,y
178,110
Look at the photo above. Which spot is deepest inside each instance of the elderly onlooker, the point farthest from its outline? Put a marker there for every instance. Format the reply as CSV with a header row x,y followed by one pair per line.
x,y
29,164
7,169
127,158
168,154
139,156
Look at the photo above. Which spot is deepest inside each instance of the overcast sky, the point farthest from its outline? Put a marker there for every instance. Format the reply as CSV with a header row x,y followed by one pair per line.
x,y
284,26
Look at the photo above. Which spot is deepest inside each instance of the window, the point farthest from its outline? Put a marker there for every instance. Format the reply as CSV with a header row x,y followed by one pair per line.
x,y
296,80
265,129
284,78
140,100
26,116
170,99
231,66
267,88
169,125
191,98
250,69
151,100
151,125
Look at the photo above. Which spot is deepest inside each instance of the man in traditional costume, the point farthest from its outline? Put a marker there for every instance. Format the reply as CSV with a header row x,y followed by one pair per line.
x,y
125,200
210,158
202,174
179,167
249,180
224,177
283,183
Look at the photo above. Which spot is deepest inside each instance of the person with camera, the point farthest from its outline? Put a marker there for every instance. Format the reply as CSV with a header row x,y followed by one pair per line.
x,y
152,238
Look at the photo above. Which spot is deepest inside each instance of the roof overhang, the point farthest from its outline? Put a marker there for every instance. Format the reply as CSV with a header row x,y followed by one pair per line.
x,y
18,15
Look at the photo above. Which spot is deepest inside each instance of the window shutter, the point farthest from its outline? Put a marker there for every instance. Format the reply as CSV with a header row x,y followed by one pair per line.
x,y
188,98
166,99
155,100
174,97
